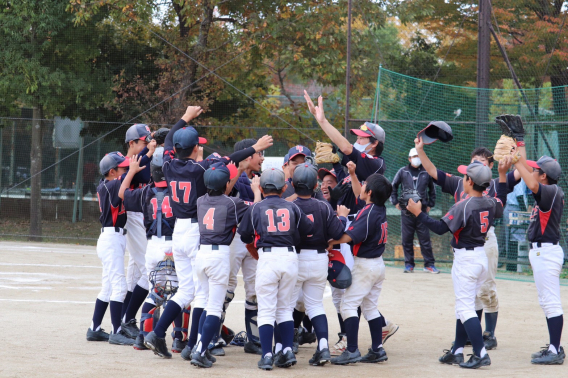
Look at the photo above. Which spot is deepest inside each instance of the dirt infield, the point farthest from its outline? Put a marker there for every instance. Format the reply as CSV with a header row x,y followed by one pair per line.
x,y
48,291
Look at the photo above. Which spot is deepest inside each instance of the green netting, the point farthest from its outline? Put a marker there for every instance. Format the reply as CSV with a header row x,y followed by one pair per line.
x,y
404,105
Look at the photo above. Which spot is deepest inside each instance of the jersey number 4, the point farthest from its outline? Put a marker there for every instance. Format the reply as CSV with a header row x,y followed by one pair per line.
x,y
166,209
484,221
208,219
283,225
180,185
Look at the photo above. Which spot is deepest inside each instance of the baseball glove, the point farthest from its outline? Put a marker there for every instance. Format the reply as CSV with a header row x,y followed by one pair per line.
x,y
407,195
512,126
252,250
326,153
160,135
506,146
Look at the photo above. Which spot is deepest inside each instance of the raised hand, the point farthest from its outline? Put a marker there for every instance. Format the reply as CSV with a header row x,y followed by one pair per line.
x,y
192,112
342,211
263,143
135,164
351,167
418,143
317,111
152,146
255,184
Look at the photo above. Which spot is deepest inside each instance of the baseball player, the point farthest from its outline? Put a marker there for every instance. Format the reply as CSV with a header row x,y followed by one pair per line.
x,y
487,298
154,201
218,216
312,256
184,176
139,143
111,246
296,155
414,177
469,221
275,226
546,254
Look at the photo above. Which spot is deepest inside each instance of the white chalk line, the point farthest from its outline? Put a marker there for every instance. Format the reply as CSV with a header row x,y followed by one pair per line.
x,y
53,265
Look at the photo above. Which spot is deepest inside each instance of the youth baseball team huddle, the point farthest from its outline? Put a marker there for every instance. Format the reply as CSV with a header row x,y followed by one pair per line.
x,y
191,223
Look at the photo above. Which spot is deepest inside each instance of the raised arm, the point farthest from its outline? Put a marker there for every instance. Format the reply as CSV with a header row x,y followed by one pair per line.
x,y
426,163
132,171
355,184
332,133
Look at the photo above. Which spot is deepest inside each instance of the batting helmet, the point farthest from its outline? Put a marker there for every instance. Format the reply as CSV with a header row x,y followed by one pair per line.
x,y
338,274
436,130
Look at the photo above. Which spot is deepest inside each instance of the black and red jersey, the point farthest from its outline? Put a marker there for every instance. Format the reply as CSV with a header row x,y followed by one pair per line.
x,y
218,217
546,214
454,185
327,224
144,200
369,231
112,209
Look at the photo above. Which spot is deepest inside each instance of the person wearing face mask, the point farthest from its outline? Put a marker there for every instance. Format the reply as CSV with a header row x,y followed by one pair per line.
x,y
414,177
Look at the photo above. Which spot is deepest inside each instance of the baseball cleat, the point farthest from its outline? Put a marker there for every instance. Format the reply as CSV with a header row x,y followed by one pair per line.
x,y
539,353
548,358
408,269
253,348
186,353
199,360
178,345
217,351
320,357
347,358
99,335
389,330
375,356
157,345
450,358
489,341
120,338
431,269
341,345
139,343
476,362
305,337
266,363
210,357
285,360
130,328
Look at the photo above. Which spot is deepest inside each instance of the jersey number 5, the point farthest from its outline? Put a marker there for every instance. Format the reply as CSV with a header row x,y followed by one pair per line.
x,y
484,221
166,209
182,185
284,225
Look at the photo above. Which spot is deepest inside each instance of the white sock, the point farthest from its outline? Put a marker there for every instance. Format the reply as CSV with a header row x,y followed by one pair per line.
x,y
268,355
198,337
323,344
459,350
483,352
286,350
552,348
380,346
92,325
198,347
277,347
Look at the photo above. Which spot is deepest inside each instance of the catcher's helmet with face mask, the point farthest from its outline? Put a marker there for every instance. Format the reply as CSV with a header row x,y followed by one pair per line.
x,y
164,279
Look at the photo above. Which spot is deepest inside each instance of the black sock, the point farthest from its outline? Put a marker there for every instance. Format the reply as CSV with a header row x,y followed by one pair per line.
x,y
308,324
196,316
146,308
115,312
287,334
490,322
475,334
201,322
376,328
341,323
138,297
277,337
208,329
125,304
99,313
479,314
555,330
320,327
298,316
352,332
266,331
171,311
461,336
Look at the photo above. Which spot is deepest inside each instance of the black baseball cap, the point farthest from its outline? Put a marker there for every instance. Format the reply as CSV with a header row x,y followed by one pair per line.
x,y
137,131
338,273
322,172
305,175
548,165
113,160
298,150
218,174
187,137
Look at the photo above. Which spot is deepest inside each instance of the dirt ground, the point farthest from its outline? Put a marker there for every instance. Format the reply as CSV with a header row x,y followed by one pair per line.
x,y
48,292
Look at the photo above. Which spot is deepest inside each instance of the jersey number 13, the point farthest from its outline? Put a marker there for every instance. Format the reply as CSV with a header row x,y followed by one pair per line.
x,y
283,225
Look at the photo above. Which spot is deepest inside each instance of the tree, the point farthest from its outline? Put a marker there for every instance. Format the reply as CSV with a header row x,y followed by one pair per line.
x,y
49,65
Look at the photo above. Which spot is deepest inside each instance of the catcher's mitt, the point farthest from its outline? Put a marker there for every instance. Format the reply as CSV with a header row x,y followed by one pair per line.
x,y
405,196
252,250
506,146
326,153
160,135
511,125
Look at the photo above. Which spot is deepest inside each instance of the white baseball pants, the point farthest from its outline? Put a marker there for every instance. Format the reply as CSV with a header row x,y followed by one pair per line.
x,y
276,275
337,294
486,298
136,246
469,272
368,276
312,278
212,268
156,251
241,259
110,249
546,263
185,245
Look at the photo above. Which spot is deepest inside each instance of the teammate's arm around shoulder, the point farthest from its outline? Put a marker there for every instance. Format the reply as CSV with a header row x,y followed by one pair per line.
x,y
133,169
426,163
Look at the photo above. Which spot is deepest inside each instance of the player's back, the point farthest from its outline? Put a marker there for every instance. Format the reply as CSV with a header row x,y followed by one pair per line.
x,y
185,181
326,224
478,214
218,217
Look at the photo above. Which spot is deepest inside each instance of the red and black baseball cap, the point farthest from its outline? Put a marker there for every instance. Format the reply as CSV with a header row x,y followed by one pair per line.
x,y
370,130
322,172
478,172
338,274
298,150
548,165
187,137
137,131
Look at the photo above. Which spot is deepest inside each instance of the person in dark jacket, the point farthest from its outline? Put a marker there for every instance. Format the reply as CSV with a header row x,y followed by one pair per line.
x,y
409,177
